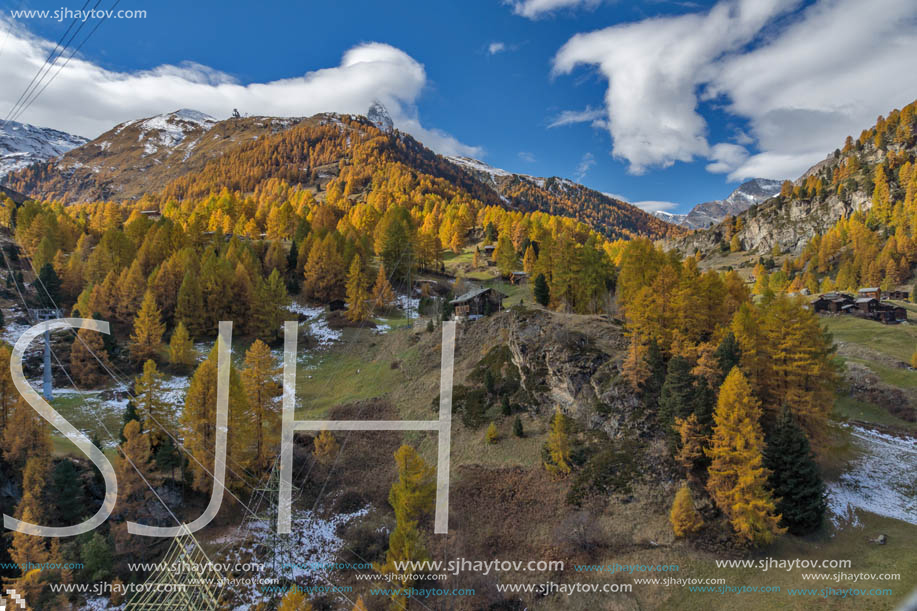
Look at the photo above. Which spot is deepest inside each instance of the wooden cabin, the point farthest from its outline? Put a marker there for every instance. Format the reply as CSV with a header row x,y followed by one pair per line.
x,y
871,291
897,295
479,302
518,278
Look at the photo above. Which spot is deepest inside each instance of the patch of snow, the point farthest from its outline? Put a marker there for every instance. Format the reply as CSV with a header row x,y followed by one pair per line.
x,y
477,166
881,480
22,145
174,126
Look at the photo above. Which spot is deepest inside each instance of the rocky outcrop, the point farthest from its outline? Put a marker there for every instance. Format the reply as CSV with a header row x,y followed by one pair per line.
x,y
787,224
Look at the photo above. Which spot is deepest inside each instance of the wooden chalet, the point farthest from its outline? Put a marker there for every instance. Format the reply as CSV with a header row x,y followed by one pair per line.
x,y
832,303
479,302
518,278
897,295
871,291
863,306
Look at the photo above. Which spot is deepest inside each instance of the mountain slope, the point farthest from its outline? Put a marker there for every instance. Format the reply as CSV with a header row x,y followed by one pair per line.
x,y
188,154
22,144
841,185
706,214
611,217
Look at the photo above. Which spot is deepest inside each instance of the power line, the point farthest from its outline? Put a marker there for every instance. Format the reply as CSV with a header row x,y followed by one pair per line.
x,y
47,62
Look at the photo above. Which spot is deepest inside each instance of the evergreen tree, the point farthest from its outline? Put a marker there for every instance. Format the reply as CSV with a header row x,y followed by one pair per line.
x,y
66,493
656,368
795,480
728,354
676,399
181,348
167,456
517,427
684,517
736,477
48,286
190,305
358,307
541,291
96,557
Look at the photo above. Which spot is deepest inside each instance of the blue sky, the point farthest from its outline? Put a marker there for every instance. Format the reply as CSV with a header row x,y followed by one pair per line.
x,y
676,102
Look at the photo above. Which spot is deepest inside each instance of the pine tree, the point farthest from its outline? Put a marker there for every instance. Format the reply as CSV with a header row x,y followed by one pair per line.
x,y
492,436
358,308
684,517
795,480
89,362
181,348
541,291
517,427
48,286
737,478
189,308
326,447
151,408
728,354
96,557
383,294
66,493
260,376
558,445
167,456
676,400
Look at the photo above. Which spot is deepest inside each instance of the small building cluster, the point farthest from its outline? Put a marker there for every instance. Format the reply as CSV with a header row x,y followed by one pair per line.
x,y
477,303
870,303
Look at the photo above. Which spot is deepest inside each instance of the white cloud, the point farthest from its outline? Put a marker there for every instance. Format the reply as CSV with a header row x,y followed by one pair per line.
x,y
654,206
802,82
726,157
527,157
585,164
87,99
534,9
496,47
654,68
569,117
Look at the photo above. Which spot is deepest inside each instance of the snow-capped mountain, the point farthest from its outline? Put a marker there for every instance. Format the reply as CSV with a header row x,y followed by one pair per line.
x,y
379,116
706,214
22,145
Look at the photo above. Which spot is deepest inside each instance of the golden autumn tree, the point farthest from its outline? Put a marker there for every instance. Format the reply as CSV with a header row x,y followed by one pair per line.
x,y
684,518
358,308
529,259
8,392
148,392
360,605
260,377
326,447
691,435
181,348
25,435
736,477
89,363
383,295
294,600
146,340
558,445
199,421
31,508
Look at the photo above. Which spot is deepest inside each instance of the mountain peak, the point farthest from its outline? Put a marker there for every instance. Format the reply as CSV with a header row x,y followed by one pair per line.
x,y
22,145
379,116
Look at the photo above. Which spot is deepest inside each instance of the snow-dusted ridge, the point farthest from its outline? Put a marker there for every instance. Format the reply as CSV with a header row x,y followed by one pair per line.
x,y
22,144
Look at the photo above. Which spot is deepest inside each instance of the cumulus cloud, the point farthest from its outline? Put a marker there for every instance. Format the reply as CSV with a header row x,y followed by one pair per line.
x,y
726,157
649,205
801,80
496,47
569,117
534,9
654,68
585,164
87,99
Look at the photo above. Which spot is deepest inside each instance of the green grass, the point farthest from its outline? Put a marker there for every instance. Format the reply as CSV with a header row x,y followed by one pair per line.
x,y
849,408
342,375
896,341
902,378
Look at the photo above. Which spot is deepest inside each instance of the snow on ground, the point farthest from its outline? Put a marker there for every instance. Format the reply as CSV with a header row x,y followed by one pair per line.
x,y
318,325
408,304
173,392
881,480
303,555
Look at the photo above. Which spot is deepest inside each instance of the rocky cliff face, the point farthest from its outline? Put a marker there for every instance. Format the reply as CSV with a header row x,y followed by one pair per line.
x,y
568,361
787,224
